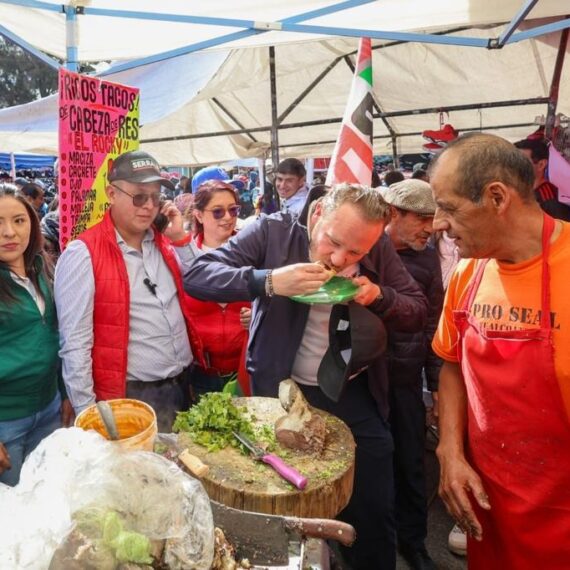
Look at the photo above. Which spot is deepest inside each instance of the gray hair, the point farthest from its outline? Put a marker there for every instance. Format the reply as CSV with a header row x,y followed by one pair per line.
x,y
8,188
367,200
485,158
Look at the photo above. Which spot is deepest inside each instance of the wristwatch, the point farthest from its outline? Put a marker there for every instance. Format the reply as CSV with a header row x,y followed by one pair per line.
x,y
269,283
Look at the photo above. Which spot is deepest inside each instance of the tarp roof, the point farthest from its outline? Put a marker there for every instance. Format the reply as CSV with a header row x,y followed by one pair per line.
x,y
190,97
105,37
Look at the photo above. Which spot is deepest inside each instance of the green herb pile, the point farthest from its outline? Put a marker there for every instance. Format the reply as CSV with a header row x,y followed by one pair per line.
x,y
212,420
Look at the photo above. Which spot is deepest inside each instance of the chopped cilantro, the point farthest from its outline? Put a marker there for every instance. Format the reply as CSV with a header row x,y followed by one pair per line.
x,y
212,420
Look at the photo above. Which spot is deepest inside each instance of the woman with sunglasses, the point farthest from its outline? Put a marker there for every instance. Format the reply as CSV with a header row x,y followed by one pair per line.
x,y
31,406
222,327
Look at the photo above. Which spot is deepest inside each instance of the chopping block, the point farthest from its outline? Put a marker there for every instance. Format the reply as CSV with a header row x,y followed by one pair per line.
x,y
238,481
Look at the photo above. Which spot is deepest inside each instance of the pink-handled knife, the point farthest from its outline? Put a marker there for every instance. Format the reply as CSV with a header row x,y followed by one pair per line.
x,y
286,471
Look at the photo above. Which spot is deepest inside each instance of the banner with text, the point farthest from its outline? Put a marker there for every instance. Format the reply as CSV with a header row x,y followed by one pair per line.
x,y
98,121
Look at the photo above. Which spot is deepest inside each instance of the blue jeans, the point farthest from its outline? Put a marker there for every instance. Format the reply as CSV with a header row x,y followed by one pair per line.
x,y
371,507
167,398
202,383
20,437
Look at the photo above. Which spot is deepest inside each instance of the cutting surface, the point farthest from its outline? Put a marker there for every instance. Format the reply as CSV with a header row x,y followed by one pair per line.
x,y
241,482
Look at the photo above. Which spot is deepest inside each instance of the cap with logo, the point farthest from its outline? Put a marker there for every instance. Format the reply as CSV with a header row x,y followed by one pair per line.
x,y
412,195
208,173
357,337
137,167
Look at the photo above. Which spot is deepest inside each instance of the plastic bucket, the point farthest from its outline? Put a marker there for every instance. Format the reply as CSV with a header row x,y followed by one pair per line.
x,y
136,423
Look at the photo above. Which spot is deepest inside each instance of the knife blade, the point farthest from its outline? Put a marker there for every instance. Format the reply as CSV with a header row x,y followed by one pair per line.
x,y
286,471
264,539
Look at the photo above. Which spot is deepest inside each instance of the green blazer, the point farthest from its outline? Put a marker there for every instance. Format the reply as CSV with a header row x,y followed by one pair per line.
x,y
29,344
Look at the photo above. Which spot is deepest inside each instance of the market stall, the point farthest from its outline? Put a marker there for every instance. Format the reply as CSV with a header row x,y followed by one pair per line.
x,y
490,65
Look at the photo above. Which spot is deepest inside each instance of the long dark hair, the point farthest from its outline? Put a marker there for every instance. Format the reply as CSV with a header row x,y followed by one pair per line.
x,y
33,251
202,198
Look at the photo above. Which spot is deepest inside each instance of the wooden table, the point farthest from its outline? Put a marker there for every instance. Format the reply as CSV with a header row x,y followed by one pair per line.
x,y
241,482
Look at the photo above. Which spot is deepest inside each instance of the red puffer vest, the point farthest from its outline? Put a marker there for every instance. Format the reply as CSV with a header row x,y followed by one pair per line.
x,y
112,303
223,338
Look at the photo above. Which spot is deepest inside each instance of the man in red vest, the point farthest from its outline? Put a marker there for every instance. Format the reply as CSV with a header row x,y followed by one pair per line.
x,y
118,290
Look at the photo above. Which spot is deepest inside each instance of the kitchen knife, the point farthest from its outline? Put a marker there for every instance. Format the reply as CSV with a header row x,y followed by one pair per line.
x,y
286,471
178,453
264,539
194,464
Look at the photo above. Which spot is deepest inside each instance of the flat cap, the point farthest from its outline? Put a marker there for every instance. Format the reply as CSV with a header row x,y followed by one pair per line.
x,y
412,195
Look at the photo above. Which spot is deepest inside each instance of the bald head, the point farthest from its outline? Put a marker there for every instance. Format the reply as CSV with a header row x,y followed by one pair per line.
x,y
476,159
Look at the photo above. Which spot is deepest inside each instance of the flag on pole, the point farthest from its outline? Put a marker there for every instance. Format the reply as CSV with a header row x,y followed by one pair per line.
x,y
352,157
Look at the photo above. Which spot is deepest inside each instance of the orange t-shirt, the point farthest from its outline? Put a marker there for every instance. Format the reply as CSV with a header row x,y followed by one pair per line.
x,y
508,298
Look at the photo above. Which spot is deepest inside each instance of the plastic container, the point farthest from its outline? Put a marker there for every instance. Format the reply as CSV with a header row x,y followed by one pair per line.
x,y
136,423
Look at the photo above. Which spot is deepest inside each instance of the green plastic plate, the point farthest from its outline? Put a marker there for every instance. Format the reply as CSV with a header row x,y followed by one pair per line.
x,y
336,290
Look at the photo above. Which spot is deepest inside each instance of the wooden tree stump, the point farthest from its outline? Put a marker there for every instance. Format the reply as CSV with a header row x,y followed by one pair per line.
x,y
241,482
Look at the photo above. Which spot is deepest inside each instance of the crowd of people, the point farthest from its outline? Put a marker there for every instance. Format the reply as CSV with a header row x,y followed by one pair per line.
x,y
176,293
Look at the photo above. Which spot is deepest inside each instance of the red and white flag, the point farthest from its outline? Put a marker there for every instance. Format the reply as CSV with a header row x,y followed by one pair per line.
x,y
352,157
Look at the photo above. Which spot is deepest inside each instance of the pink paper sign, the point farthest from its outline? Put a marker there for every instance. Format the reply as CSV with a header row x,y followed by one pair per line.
x,y
98,121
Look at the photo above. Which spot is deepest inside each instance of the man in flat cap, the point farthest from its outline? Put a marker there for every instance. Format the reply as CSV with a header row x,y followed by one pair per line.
x,y
118,289
409,354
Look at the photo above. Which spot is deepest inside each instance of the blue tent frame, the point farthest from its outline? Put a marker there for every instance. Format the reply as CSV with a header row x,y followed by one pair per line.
x,y
295,24
30,161
251,27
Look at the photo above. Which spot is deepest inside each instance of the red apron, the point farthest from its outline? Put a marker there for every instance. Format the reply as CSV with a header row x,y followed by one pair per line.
x,y
518,437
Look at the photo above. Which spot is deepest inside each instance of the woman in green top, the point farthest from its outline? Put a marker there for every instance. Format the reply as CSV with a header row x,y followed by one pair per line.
x,y
30,403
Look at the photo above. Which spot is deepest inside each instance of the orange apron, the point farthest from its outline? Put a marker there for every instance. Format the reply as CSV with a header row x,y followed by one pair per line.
x,y
518,437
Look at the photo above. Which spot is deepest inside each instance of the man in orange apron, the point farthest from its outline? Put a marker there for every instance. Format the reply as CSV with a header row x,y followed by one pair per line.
x,y
504,335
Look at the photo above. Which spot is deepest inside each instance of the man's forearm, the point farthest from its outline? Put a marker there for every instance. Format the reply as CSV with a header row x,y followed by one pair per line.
x,y
233,272
74,292
452,410
77,374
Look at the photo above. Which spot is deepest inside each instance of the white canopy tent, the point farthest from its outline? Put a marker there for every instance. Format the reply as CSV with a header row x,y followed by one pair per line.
x,y
210,101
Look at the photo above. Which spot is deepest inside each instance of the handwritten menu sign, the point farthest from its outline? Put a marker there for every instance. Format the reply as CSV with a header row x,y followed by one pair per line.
x,y
98,121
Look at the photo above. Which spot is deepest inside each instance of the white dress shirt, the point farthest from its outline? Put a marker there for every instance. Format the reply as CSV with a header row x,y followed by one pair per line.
x,y
158,346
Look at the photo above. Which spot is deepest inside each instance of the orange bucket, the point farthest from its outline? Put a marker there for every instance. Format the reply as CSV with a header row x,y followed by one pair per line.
x,y
136,423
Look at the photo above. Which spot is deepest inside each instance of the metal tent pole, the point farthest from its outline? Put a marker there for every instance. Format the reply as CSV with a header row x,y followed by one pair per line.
x,y
515,22
407,113
412,134
71,38
234,119
251,27
29,48
274,118
395,156
555,86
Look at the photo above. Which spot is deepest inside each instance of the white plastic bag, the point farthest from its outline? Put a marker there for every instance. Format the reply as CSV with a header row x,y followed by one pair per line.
x,y
73,470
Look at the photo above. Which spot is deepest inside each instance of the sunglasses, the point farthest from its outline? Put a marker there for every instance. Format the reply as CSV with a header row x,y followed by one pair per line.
x,y
140,200
219,212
